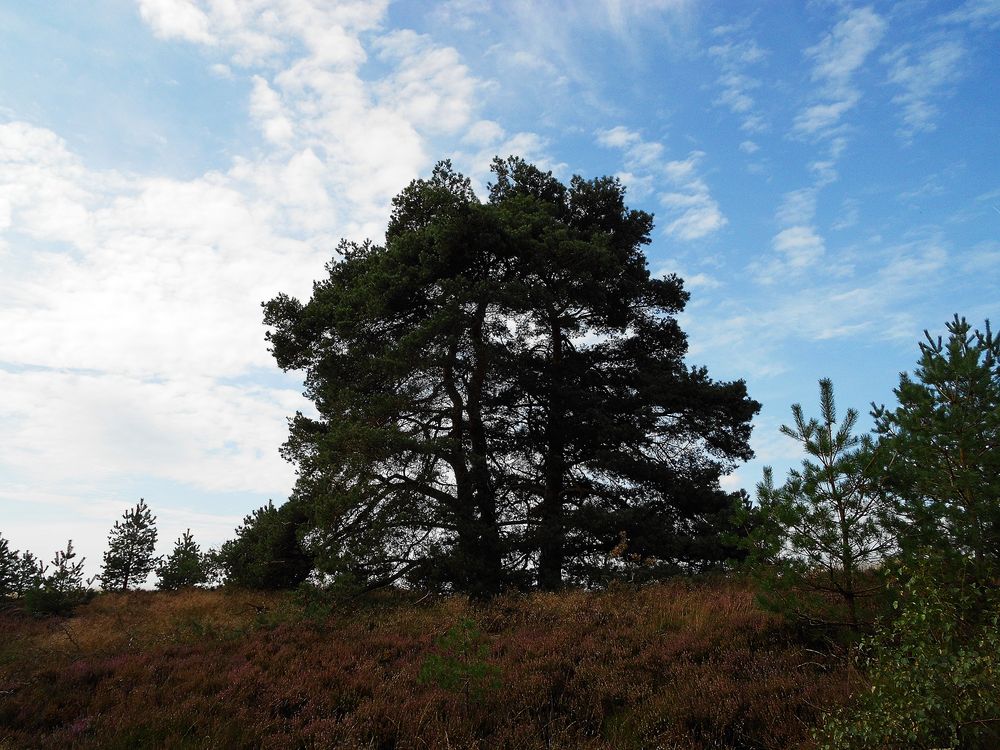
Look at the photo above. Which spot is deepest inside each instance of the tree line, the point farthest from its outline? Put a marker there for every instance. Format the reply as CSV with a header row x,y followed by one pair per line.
x,y
59,587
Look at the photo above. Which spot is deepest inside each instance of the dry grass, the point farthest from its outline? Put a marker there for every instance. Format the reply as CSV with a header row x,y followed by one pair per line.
x,y
680,665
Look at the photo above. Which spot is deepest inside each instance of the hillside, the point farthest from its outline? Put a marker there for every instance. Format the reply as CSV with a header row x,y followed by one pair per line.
x,y
679,665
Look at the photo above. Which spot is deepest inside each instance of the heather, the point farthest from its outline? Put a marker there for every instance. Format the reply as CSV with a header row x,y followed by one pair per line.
x,y
684,664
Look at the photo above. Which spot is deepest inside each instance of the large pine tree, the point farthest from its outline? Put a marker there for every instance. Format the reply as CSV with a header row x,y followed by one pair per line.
x,y
502,394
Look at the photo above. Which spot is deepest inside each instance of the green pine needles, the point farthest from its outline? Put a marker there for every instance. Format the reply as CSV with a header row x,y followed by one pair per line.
x,y
184,566
129,559
944,440
461,662
823,533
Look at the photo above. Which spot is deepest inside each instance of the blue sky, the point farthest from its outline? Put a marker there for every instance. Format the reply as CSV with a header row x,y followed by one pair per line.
x,y
824,175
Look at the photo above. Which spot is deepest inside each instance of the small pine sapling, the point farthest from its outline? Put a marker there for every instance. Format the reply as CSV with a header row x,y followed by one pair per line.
x,y
63,589
824,523
944,442
129,559
184,566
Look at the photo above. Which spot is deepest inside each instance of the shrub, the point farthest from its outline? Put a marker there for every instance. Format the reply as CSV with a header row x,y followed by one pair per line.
x,y
460,663
934,672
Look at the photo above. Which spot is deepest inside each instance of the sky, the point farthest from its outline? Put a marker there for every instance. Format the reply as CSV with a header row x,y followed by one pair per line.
x,y
824,177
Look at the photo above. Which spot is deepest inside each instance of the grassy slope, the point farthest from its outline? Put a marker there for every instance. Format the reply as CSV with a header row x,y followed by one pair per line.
x,y
679,665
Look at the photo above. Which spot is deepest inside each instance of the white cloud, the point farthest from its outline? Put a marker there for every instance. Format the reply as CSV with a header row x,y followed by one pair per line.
x,y
700,214
258,32
800,245
841,52
622,14
890,302
797,207
685,194
819,117
850,213
188,430
797,247
976,13
177,19
930,75
430,87
220,70
483,133
266,108
692,279
749,147
836,58
130,330
618,137
734,59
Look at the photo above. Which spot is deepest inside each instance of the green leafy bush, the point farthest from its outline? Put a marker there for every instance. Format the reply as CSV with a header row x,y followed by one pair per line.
x,y
934,672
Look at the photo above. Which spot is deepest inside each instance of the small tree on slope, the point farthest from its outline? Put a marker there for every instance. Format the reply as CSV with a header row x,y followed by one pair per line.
x,y
826,514
129,559
18,571
185,566
59,592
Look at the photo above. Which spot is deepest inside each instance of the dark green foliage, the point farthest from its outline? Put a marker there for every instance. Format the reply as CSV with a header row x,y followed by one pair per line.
x,y
129,558
502,394
942,442
934,671
62,590
267,552
19,572
820,534
184,566
933,664
10,570
460,662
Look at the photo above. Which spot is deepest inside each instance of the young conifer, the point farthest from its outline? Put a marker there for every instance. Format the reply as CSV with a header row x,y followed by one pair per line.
x,y
942,450
18,571
826,514
129,559
185,566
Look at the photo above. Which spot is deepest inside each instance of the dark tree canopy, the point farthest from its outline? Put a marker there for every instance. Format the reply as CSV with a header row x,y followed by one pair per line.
x,y
502,395
267,552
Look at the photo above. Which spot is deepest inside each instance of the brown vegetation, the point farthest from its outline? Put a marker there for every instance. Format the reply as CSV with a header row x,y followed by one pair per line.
x,y
679,665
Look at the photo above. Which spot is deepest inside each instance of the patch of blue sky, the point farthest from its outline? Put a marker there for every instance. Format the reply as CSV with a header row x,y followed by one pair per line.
x,y
121,100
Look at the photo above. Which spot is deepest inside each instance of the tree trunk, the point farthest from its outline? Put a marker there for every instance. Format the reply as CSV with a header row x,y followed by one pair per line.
x,y
468,574
551,553
490,550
